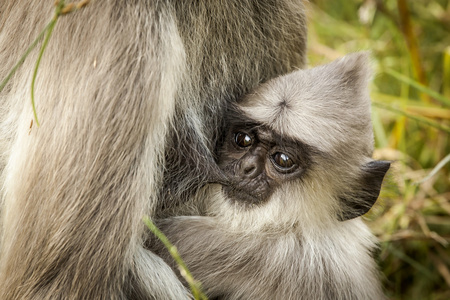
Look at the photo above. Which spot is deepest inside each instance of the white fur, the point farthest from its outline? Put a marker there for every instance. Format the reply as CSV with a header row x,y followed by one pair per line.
x,y
295,245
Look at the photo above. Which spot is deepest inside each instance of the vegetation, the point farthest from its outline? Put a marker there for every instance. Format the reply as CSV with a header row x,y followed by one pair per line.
x,y
410,45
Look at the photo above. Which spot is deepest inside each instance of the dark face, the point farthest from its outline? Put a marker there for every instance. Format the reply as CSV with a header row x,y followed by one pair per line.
x,y
256,161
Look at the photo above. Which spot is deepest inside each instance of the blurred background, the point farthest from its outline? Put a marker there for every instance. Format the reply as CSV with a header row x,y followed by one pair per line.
x,y
410,45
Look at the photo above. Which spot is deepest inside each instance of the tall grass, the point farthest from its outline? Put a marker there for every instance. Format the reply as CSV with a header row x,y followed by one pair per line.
x,y
410,44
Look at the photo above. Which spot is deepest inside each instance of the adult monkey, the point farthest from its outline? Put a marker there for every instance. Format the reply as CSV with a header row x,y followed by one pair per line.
x,y
120,84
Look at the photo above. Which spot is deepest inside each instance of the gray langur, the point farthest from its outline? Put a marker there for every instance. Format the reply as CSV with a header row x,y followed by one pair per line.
x,y
297,155
130,95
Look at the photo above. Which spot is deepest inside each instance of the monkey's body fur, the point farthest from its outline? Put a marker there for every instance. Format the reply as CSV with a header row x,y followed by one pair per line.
x,y
304,239
332,260
125,90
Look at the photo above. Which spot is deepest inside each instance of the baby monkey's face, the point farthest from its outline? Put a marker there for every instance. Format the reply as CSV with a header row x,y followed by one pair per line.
x,y
256,161
312,126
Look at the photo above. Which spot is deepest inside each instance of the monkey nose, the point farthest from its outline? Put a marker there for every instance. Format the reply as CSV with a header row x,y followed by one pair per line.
x,y
250,168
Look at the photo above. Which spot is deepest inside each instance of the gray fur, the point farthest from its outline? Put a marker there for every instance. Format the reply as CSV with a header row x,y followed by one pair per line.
x,y
125,90
295,246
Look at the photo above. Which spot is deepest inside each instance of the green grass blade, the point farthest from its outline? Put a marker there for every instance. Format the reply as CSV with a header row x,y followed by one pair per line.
x,y
446,71
50,28
193,284
436,169
413,117
418,86
24,56
410,261
378,129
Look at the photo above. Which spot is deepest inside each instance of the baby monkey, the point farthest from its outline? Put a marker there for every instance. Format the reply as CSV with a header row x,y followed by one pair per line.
x,y
296,155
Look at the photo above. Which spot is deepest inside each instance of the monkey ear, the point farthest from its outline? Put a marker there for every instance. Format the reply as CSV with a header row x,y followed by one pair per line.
x,y
354,69
363,198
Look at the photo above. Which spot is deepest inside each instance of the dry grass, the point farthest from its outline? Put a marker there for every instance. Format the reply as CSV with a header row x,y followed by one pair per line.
x,y
410,43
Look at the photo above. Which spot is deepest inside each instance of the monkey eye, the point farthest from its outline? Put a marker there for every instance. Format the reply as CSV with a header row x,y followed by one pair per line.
x,y
243,140
282,161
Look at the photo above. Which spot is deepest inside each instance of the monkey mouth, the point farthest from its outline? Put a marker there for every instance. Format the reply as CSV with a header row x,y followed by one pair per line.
x,y
239,195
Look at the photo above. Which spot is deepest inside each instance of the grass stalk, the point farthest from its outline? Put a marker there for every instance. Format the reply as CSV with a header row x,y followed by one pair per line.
x,y
193,284
420,87
23,57
412,117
